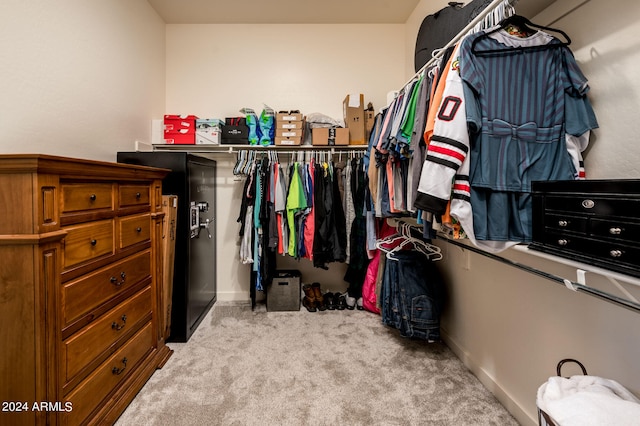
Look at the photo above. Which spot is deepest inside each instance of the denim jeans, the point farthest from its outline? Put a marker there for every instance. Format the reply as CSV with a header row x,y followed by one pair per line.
x,y
411,296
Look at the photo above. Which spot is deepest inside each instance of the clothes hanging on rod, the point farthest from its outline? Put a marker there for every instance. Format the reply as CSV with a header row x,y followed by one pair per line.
x,y
297,210
397,144
514,118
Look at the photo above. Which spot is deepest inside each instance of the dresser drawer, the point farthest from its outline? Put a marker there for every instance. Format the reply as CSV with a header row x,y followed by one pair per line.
x,y
83,295
616,230
133,195
609,252
596,205
89,241
134,229
88,396
566,222
77,197
86,345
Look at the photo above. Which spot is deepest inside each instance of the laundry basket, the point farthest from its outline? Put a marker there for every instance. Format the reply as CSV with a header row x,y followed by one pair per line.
x,y
585,400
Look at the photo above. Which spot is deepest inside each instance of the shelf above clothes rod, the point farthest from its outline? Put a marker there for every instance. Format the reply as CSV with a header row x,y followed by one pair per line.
x,y
233,149
632,305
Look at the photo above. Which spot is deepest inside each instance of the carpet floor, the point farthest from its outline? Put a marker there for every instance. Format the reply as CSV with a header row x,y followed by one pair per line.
x,y
253,367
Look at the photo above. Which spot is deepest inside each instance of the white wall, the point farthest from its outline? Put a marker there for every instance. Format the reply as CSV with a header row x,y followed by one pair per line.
x,y
215,70
511,327
78,78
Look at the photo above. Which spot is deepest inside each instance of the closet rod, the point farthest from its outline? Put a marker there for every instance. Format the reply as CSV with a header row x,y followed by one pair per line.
x,y
574,285
463,32
308,152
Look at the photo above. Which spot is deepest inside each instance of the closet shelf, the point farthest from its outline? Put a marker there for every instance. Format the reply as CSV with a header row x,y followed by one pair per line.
x,y
232,149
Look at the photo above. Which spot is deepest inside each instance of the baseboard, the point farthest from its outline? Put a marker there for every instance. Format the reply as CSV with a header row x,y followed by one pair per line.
x,y
505,399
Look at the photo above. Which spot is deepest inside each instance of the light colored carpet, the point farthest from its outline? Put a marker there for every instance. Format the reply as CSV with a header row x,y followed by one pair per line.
x,y
244,367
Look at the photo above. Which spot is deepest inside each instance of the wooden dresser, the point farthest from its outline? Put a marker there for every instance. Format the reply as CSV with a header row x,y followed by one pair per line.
x,y
80,280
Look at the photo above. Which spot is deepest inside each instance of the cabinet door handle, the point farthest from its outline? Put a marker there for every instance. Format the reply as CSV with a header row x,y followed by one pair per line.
x,y
615,253
138,229
138,195
563,223
563,242
117,326
93,242
117,371
92,197
615,231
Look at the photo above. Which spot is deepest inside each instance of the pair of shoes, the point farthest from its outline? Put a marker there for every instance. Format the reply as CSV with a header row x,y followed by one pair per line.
x,y
350,301
313,299
329,300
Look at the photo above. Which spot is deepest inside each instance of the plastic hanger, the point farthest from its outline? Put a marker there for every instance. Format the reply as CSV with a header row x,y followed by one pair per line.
x,y
524,24
404,236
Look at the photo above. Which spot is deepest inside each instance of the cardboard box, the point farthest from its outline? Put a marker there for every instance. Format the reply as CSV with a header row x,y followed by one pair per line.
x,y
182,137
170,210
286,133
289,124
208,131
178,123
211,137
324,136
353,112
288,116
369,120
288,140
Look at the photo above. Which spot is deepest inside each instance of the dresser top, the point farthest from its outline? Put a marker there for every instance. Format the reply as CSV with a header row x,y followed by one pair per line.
x,y
51,164
589,186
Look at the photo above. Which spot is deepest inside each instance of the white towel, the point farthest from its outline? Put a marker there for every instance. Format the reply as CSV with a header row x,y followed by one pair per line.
x,y
588,400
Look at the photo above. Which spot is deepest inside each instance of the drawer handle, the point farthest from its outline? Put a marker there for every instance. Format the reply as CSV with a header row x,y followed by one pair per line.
x,y
94,242
115,281
138,229
563,223
138,195
117,371
563,242
92,197
117,326
588,204
615,253
615,231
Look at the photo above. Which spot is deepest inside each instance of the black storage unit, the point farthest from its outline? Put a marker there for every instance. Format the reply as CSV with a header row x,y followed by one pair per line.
x,y
192,179
592,221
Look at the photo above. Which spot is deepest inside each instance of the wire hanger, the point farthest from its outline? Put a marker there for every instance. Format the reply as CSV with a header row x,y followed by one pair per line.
x,y
404,236
524,24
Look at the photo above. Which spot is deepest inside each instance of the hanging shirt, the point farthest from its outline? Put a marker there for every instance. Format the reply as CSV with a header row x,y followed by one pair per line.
x,y
309,223
522,106
295,201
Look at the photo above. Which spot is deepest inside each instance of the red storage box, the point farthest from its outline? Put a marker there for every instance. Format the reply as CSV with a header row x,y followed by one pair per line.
x,y
177,123
183,137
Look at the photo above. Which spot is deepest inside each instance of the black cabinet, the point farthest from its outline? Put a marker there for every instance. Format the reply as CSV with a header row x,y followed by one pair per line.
x,y
592,221
192,179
